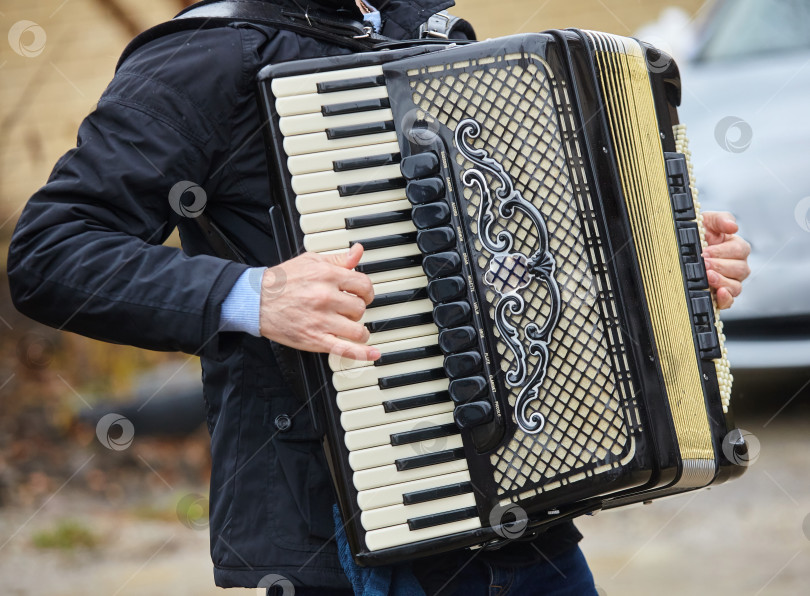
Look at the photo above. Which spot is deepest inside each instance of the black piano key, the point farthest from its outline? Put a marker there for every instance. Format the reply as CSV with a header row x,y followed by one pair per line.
x,y
413,378
458,339
352,107
447,289
425,191
360,163
385,241
442,264
438,519
430,215
472,414
424,434
422,318
465,390
429,459
461,365
349,84
415,401
421,165
408,355
436,239
362,188
389,264
358,130
453,314
440,492
398,297
376,219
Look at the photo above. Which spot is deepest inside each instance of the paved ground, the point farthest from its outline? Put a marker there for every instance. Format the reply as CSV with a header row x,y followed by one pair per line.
x,y
746,538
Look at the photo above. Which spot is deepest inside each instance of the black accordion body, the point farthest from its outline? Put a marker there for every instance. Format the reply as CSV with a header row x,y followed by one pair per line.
x,y
549,343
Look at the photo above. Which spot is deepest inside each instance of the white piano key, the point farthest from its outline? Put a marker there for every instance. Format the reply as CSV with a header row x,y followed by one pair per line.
x,y
321,181
388,454
363,377
381,435
336,219
381,254
337,363
324,161
308,83
398,285
387,475
393,275
318,141
392,311
393,495
313,102
373,396
376,415
386,517
405,333
317,122
399,535
331,199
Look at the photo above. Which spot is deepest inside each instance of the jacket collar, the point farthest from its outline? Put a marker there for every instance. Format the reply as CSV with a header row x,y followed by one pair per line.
x,y
402,18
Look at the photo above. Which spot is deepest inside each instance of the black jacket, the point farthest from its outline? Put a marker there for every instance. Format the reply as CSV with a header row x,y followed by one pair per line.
x,y
87,257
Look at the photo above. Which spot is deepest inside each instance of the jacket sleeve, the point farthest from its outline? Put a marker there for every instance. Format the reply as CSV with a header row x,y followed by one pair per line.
x,y
86,255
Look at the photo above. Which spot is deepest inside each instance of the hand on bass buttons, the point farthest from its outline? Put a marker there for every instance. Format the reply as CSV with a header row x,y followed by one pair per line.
x,y
314,303
726,257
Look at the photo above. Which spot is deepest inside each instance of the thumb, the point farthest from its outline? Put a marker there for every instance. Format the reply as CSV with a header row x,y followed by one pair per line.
x,y
347,260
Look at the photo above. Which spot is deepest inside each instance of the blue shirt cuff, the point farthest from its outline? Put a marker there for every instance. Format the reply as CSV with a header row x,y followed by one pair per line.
x,y
241,308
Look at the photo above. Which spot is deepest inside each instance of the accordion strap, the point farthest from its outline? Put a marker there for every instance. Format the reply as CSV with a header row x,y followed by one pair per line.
x,y
212,14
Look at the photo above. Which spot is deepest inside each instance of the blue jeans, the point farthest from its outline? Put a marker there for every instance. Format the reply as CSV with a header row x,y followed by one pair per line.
x,y
565,575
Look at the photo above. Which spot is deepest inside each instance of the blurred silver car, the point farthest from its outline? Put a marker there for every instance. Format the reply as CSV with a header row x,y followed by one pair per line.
x,y
746,104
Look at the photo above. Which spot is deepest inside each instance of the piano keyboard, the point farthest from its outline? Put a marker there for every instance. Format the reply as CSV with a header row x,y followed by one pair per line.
x,y
405,450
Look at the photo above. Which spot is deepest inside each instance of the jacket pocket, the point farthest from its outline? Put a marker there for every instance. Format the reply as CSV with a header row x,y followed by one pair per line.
x,y
301,488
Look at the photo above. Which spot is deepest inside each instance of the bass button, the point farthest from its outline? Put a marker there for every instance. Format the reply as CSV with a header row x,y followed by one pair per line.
x,y
462,365
464,390
447,289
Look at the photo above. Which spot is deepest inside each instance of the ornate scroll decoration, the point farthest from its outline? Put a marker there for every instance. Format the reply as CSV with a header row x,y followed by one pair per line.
x,y
510,271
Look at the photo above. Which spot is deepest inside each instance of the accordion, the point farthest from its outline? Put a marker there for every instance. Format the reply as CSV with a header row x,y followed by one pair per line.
x,y
550,346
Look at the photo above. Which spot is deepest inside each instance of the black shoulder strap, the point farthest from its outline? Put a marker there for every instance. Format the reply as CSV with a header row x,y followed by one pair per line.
x,y
334,29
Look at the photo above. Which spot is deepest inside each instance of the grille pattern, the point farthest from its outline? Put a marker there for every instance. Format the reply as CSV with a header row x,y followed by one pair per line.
x,y
583,398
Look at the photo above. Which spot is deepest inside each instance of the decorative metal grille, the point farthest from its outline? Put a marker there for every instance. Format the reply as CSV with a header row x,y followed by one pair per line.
x,y
585,398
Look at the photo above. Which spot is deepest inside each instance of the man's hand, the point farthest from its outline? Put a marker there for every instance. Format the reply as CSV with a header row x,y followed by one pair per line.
x,y
726,256
314,302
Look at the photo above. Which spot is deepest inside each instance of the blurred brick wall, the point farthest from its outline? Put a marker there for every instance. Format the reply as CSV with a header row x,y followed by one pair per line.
x,y
43,98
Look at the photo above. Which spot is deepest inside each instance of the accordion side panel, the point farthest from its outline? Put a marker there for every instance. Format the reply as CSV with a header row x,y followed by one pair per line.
x,y
525,125
633,123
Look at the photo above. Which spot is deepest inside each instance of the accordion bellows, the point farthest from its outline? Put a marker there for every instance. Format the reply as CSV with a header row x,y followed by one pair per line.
x,y
549,343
